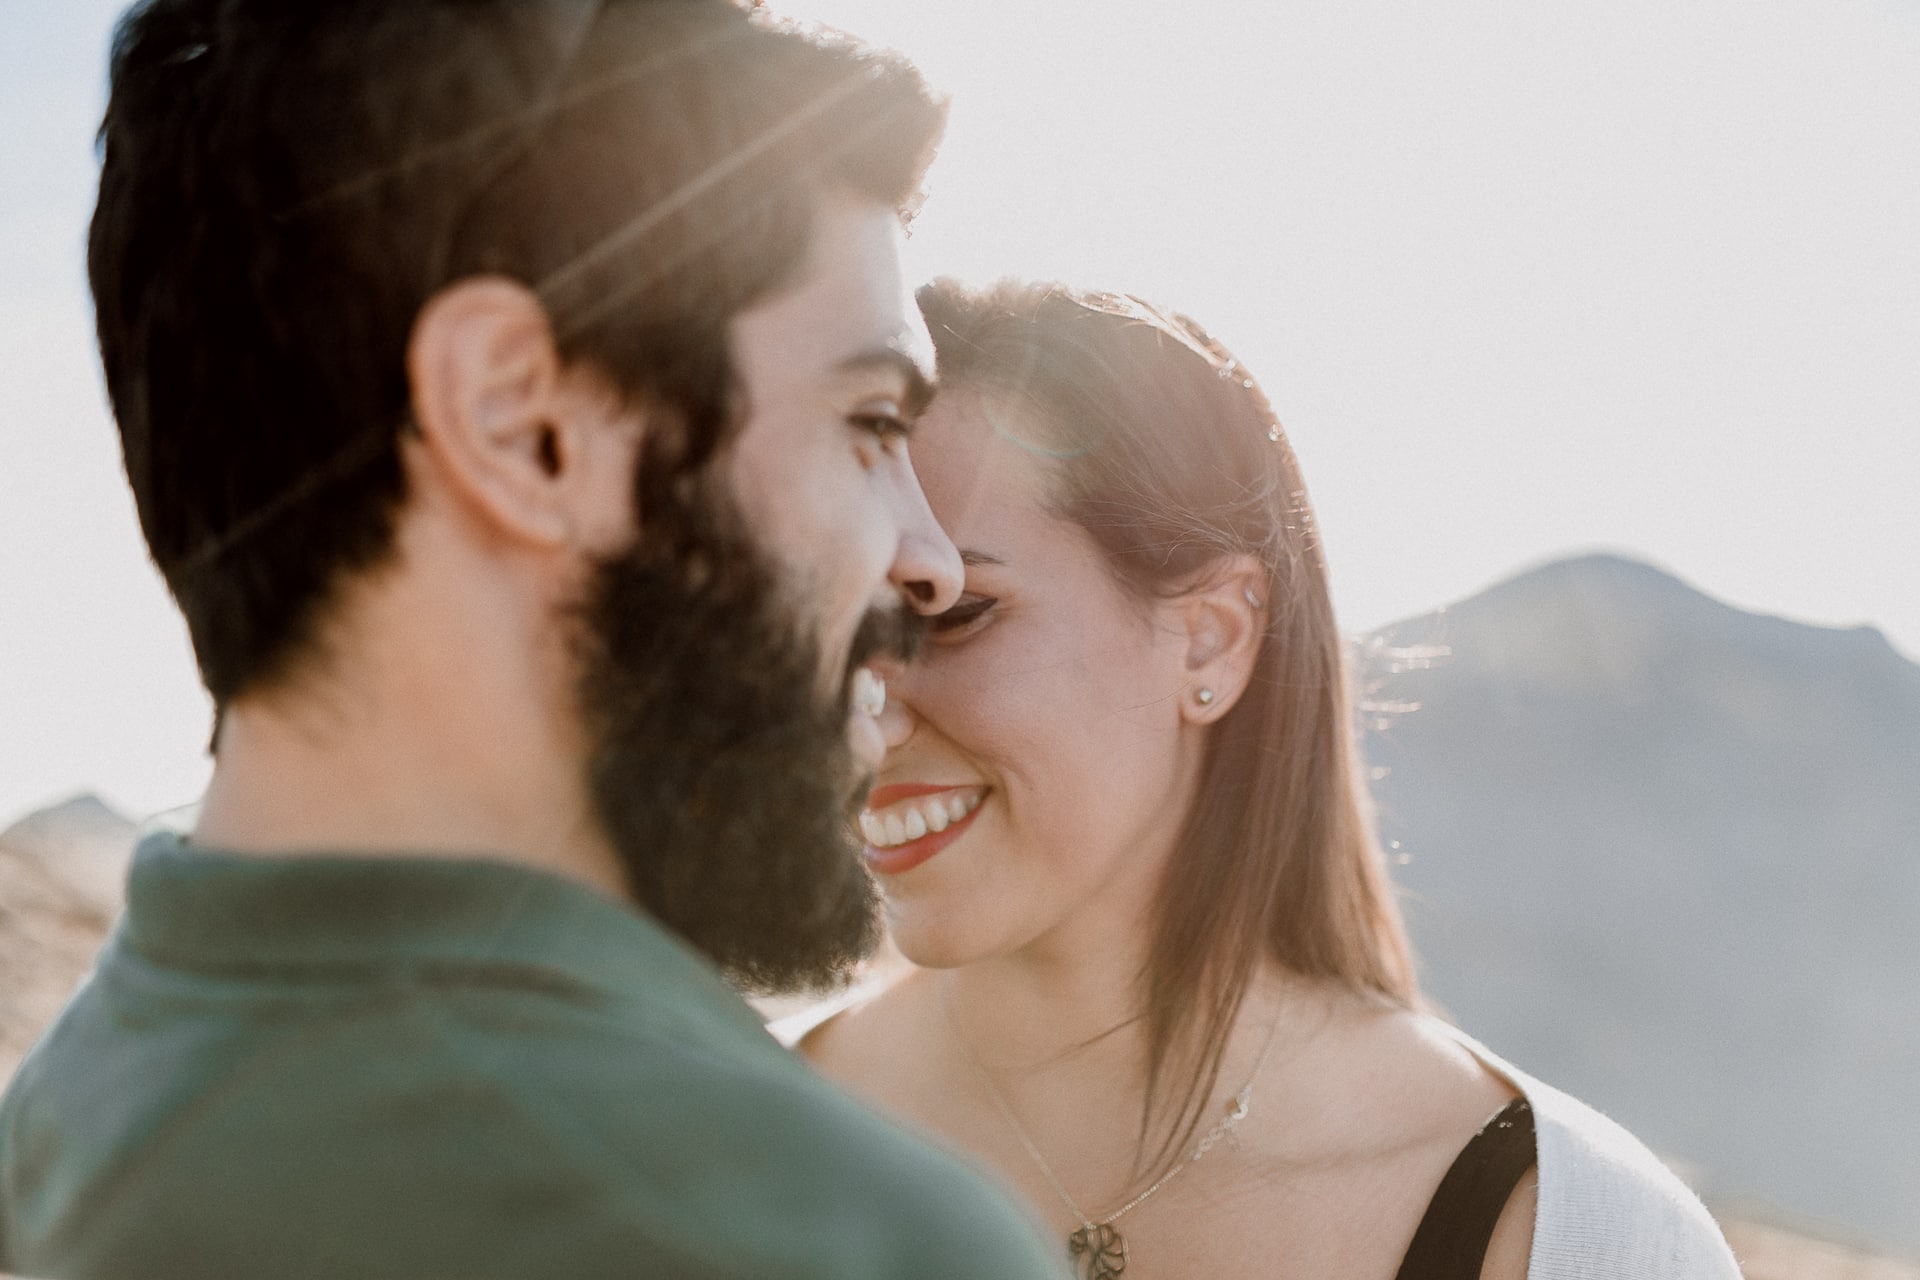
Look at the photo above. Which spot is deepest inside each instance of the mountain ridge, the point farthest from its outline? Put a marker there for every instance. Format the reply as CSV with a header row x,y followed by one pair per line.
x,y
1638,592
1647,836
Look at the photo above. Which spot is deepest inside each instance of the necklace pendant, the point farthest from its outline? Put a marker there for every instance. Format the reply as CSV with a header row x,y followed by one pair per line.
x,y
1099,1251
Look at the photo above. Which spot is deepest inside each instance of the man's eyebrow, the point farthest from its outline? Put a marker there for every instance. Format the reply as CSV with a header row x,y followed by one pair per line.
x,y
919,392
969,556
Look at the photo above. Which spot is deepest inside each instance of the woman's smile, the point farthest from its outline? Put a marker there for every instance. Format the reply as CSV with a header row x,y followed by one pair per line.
x,y
907,823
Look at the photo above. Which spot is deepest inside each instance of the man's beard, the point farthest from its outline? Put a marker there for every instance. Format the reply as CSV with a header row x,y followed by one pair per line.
x,y
721,775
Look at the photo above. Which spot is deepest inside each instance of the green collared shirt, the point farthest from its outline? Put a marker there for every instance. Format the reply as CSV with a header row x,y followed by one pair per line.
x,y
338,1067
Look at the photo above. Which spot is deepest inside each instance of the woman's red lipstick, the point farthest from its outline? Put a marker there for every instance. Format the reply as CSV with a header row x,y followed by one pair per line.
x,y
896,859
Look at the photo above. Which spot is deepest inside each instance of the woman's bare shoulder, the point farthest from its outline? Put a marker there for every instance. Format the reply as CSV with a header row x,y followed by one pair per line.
x,y
1416,1079
1452,1093
803,1029
861,1030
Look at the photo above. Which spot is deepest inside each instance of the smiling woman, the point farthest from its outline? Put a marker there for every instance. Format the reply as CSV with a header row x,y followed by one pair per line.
x,y
1164,984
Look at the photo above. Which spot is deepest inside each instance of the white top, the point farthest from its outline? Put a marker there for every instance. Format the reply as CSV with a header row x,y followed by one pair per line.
x,y
1608,1209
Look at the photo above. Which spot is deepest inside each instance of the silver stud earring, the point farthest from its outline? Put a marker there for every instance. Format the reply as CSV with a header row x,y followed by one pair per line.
x,y
1204,697
1253,601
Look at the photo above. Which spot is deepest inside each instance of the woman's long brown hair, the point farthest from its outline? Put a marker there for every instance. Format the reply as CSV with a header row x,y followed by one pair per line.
x,y
1170,457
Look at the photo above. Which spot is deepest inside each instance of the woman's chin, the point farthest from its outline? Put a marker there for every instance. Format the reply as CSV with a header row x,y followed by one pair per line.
x,y
936,940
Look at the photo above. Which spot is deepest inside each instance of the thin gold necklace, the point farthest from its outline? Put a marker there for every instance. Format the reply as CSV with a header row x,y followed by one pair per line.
x,y
1097,1249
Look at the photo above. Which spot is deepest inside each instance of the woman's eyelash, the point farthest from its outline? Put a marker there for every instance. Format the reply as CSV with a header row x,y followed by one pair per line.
x,y
969,609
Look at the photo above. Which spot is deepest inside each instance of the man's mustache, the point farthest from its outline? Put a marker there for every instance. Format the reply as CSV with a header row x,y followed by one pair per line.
x,y
896,632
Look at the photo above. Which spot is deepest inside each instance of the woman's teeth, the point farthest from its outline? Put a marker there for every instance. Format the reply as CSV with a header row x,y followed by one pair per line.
x,y
869,692
911,819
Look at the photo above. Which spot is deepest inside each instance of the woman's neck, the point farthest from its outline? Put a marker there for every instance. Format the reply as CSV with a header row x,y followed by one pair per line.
x,y
1042,1006
1065,1050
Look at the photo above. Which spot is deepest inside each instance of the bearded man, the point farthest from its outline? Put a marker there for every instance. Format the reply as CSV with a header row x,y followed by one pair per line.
x,y
515,397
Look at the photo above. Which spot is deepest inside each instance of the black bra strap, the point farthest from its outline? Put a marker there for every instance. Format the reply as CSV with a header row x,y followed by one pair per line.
x,y
1452,1239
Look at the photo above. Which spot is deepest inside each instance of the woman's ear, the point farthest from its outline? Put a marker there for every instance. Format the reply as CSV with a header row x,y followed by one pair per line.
x,y
1224,617
541,454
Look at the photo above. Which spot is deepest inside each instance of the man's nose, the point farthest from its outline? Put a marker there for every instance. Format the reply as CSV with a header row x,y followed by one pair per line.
x,y
926,566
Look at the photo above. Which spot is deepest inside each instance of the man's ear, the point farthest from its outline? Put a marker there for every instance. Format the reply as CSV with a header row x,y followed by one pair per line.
x,y
1224,619
540,453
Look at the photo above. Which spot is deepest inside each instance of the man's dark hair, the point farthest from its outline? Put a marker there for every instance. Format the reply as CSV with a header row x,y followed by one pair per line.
x,y
285,183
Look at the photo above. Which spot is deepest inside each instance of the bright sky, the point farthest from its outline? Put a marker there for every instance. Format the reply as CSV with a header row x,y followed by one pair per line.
x,y
1523,279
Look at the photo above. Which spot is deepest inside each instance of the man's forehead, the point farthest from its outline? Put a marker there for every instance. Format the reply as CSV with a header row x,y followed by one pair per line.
x,y
859,242
850,312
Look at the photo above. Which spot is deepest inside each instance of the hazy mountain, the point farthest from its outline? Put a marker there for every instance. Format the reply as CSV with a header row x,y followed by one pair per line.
x,y
1666,854
62,881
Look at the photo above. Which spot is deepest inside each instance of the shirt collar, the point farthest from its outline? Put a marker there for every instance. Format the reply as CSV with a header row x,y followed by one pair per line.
x,y
200,909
